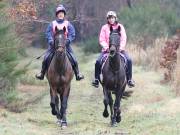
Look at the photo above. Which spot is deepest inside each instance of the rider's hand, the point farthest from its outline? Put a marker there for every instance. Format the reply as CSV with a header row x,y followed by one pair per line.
x,y
51,43
121,51
67,43
107,50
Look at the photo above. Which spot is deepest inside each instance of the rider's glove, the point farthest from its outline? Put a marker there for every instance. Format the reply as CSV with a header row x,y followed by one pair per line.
x,y
67,43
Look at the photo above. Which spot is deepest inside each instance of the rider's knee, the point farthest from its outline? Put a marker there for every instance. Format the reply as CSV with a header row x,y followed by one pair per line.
x,y
97,63
129,60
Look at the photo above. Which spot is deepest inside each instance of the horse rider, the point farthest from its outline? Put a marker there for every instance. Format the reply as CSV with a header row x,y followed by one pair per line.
x,y
104,43
60,22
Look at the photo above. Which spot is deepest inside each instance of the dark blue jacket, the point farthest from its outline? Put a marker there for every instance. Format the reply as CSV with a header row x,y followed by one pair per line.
x,y
49,32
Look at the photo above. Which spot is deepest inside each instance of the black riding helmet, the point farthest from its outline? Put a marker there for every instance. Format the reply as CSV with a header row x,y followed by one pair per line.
x,y
60,8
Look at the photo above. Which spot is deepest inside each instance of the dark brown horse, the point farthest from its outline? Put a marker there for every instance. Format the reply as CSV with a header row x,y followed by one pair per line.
x,y
59,76
114,78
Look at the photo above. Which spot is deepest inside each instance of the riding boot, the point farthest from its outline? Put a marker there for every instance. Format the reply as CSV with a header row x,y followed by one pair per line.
x,y
40,76
130,82
95,82
74,64
76,72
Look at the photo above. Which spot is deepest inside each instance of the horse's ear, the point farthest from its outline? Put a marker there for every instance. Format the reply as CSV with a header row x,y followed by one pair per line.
x,y
56,29
119,29
111,28
64,29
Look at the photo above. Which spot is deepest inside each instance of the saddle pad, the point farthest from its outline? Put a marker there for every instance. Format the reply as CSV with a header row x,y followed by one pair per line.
x,y
49,59
103,60
124,58
105,57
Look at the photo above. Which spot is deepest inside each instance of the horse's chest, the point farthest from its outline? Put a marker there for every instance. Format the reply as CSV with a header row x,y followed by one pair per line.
x,y
110,78
62,79
113,80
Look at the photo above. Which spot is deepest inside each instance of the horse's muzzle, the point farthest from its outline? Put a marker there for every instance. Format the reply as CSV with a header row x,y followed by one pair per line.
x,y
112,50
60,49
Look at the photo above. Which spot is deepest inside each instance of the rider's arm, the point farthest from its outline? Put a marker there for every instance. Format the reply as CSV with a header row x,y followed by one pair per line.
x,y
123,38
71,32
49,34
102,39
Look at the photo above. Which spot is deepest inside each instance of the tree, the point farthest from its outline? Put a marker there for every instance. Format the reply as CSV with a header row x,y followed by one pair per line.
x,y
9,48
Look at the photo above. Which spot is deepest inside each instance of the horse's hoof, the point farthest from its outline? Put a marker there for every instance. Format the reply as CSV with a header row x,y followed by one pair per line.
x,y
105,114
113,122
53,111
58,122
118,119
63,124
113,125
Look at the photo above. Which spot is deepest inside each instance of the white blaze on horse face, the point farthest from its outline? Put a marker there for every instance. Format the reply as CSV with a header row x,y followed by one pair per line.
x,y
61,40
60,36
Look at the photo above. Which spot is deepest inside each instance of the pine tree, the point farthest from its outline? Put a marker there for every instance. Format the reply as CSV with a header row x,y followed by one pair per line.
x,y
9,48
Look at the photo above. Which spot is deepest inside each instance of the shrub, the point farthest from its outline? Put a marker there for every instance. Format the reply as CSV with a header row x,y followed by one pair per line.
x,y
90,45
169,58
176,75
150,20
147,58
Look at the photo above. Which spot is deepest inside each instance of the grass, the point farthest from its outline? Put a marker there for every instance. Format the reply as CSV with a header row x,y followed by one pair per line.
x,y
34,67
152,108
10,96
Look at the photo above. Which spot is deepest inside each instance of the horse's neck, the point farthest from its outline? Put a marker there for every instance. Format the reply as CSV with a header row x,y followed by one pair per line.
x,y
115,62
60,62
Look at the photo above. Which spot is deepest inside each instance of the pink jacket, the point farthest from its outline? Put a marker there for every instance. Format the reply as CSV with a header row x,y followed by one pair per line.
x,y
104,36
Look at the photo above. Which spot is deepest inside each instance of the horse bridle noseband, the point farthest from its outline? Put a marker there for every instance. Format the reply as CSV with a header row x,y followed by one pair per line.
x,y
60,45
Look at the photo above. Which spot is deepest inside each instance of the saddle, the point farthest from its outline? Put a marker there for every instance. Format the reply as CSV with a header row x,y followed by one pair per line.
x,y
50,57
105,57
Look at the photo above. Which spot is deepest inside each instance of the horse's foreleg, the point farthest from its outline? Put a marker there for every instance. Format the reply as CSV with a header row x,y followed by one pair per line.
x,y
106,102
117,111
110,104
64,107
53,95
118,116
61,110
57,107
